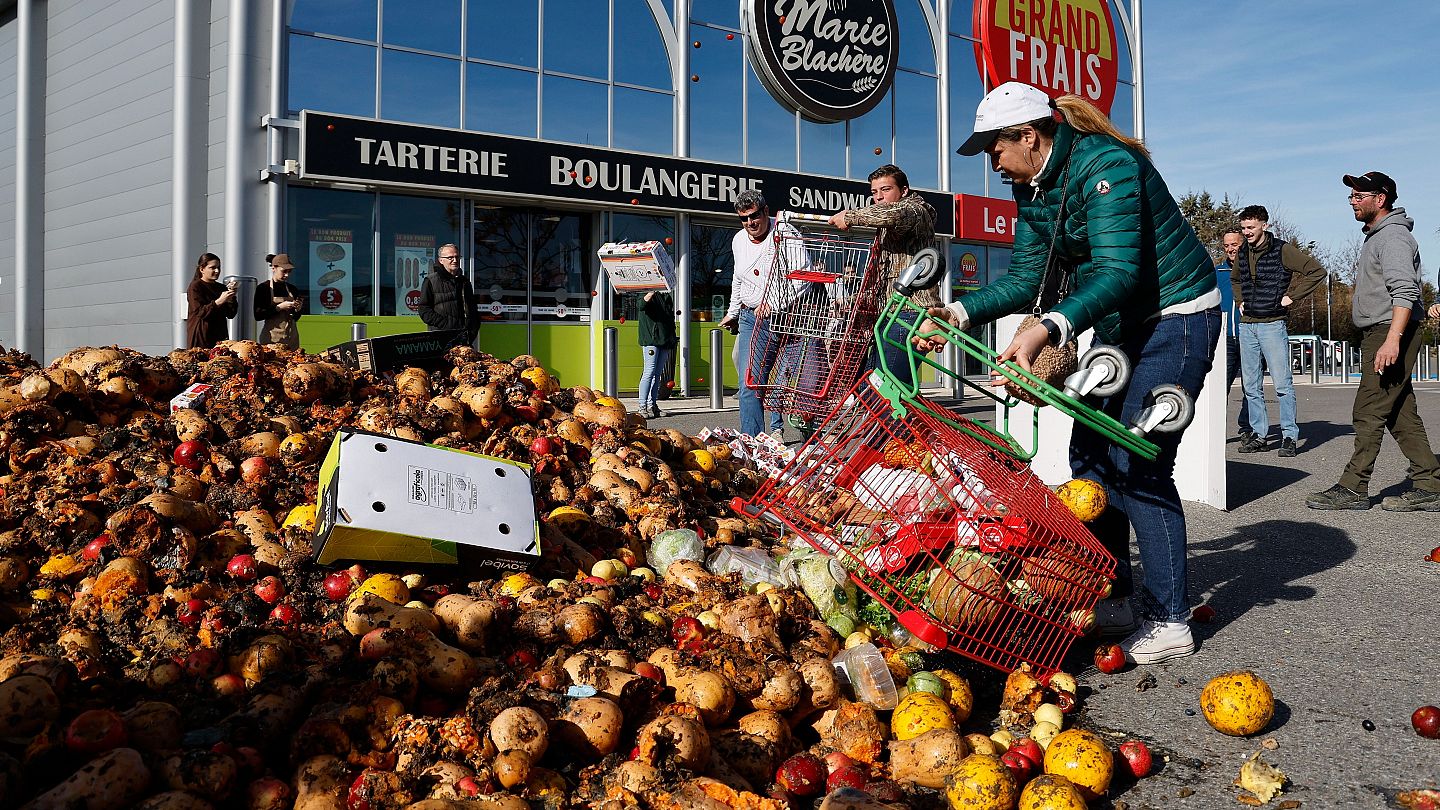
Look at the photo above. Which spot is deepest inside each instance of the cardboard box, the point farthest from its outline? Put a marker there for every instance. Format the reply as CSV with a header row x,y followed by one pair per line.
x,y
192,397
383,498
638,267
394,352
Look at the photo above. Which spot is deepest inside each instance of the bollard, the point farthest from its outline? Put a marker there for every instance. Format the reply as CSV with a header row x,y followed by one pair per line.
x,y
1315,358
242,327
717,369
359,331
1345,361
611,358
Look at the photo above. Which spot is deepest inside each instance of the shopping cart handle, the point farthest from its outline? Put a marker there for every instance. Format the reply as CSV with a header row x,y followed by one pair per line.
x,y
741,507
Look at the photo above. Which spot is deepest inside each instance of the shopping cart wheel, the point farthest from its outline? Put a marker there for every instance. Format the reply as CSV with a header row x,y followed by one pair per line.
x,y
1170,411
1103,371
924,270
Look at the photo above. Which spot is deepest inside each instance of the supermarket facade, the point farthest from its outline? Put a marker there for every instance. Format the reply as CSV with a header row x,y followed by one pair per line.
x,y
359,136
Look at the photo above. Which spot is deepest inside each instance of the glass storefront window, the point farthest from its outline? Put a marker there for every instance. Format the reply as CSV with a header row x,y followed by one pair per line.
x,y
868,133
712,266
330,236
420,89
822,148
644,121
916,52
500,100
1122,111
715,125
640,46
967,174
575,111
962,18
520,23
637,228
562,262
501,264
917,141
430,25
770,140
333,76
577,37
719,12
412,229
344,18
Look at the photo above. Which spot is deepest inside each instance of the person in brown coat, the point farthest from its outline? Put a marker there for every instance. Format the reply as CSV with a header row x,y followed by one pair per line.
x,y
212,304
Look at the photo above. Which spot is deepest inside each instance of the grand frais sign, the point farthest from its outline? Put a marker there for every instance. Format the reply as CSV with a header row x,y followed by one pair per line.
x,y
1060,46
831,60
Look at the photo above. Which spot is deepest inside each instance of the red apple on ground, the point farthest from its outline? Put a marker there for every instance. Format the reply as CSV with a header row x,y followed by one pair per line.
x,y
835,760
1203,614
243,567
92,549
191,454
254,469
1137,758
188,613
542,446
95,731
337,586
802,775
1021,766
851,776
1109,658
285,614
1030,749
687,628
645,669
270,589
228,684
1434,554
1426,721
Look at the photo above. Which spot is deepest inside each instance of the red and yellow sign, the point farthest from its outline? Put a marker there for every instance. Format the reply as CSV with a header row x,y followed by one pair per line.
x,y
1060,46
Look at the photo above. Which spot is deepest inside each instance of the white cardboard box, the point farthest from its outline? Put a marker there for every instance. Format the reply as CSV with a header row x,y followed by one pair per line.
x,y
383,498
638,266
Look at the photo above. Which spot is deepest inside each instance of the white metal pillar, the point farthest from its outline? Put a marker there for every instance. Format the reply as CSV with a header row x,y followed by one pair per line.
x,y
187,163
681,81
279,70
239,231
1139,77
30,177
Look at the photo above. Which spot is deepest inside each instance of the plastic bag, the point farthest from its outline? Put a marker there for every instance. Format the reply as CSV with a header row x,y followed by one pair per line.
x,y
674,544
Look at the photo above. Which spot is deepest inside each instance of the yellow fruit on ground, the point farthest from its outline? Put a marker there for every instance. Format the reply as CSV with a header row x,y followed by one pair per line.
x,y
1083,758
565,517
1085,498
516,584
962,697
1238,703
701,460
389,587
918,713
609,402
302,517
982,782
1050,792
720,451
538,377
61,565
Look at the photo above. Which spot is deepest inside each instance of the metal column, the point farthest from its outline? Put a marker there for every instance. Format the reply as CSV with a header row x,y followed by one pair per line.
x,y
29,178
611,353
238,129
187,164
682,297
717,370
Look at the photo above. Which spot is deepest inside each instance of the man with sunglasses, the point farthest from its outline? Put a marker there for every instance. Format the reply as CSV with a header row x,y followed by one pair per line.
x,y
1386,308
447,301
752,300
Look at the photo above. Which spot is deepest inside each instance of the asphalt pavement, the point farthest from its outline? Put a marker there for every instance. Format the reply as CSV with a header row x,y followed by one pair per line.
x,y
1337,611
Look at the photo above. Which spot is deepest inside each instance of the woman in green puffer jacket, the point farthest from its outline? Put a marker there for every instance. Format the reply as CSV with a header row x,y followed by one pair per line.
x,y
1141,279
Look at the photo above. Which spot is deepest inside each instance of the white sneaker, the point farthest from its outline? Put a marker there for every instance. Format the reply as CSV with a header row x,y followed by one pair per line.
x,y
778,434
1115,617
1155,642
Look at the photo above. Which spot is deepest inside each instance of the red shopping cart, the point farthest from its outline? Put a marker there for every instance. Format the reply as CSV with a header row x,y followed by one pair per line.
x,y
958,539
812,346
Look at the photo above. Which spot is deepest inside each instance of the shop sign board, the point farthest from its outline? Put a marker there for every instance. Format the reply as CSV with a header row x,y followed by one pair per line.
x,y
985,219
384,153
331,253
828,61
1059,46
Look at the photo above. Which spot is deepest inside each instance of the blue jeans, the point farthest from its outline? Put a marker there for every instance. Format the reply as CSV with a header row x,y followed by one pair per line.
x,y
753,416
653,374
1232,371
897,358
1172,349
1272,341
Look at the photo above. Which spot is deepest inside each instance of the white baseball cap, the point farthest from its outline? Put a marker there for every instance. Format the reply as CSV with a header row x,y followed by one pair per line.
x,y
1009,105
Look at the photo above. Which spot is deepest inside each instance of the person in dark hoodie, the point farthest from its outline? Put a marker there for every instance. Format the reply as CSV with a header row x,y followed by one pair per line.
x,y
1386,308
907,226
447,301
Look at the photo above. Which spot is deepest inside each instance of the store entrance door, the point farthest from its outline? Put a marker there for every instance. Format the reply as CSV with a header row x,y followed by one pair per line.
x,y
532,275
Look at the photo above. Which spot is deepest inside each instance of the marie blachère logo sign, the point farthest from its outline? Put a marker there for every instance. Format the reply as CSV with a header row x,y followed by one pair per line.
x,y
831,60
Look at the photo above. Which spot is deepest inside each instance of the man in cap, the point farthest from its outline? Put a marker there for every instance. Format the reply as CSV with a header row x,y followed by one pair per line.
x,y
1386,308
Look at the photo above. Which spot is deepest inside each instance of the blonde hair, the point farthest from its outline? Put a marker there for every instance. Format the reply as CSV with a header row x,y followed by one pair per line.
x,y
1083,116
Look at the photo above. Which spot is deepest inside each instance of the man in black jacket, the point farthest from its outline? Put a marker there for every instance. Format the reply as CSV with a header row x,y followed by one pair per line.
x,y
447,301
1269,275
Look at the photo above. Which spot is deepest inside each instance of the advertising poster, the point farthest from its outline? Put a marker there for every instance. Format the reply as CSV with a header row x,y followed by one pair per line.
x,y
969,278
414,256
331,271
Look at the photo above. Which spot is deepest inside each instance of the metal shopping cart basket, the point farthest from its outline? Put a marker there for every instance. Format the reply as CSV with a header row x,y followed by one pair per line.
x,y
813,344
957,538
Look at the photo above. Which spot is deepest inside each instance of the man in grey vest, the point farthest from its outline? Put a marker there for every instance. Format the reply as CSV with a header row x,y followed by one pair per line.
x,y
1269,275
1386,307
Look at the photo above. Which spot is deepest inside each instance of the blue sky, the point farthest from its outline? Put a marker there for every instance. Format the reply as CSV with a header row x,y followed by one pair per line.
x,y
1273,102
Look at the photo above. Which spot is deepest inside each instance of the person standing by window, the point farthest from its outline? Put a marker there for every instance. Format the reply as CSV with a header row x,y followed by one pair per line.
x,y
657,345
211,305
278,304
447,301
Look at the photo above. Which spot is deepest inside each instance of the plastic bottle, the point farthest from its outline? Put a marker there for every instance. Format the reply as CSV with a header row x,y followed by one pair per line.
x,y
863,667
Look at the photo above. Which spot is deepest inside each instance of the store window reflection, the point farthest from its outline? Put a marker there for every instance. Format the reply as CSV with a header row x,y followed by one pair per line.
x,y
644,121
563,259
770,139
917,142
329,235
716,128
576,37
412,229
419,88
640,57
968,175
332,76
711,269
521,23
916,52
431,25
500,100
345,18
501,264
575,111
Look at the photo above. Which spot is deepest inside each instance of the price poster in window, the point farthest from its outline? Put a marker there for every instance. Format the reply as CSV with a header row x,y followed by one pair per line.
x,y
332,271
414,256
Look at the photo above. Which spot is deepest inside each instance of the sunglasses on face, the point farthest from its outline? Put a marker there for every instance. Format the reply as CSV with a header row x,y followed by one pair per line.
x,y
753,215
